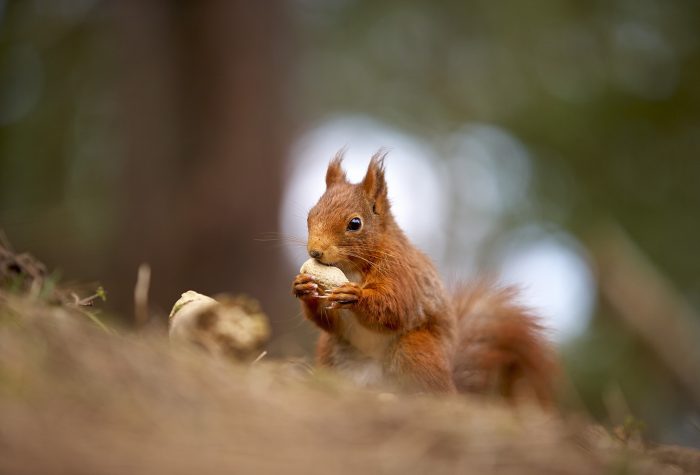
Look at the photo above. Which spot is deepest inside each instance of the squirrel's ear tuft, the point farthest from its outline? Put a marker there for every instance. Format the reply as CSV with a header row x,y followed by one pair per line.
x,y
335,173
374,183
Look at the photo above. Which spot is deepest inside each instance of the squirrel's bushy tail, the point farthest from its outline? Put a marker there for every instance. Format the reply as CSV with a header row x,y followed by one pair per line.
x,y
501,346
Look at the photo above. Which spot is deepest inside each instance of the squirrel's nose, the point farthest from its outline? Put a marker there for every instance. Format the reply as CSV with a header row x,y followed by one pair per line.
x,y
315,253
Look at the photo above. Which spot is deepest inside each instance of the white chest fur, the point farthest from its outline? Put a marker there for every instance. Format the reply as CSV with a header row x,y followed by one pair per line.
x,y
362,371
368,342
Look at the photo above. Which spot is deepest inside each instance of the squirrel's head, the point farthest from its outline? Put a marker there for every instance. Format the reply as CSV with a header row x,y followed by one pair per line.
x,y
349,219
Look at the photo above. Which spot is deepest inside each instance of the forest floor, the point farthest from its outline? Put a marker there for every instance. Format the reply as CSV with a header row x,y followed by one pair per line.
x,y
81,398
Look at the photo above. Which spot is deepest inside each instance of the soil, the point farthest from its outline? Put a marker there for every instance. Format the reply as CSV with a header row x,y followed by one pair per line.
x,y
80,398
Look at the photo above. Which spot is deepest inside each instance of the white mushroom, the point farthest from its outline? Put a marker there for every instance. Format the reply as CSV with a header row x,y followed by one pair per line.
x,y
230,326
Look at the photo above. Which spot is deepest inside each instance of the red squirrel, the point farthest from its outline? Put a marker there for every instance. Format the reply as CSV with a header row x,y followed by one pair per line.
x,y
394,323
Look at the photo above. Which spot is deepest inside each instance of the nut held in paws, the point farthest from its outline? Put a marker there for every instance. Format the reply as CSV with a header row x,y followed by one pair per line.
x,y
328,277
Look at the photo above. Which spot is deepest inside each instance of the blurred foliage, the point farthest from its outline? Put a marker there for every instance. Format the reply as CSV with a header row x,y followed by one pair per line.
x,y
57,140
604,94
606,97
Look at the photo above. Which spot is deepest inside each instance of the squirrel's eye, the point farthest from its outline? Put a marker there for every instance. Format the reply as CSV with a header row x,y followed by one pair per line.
x,y
354,224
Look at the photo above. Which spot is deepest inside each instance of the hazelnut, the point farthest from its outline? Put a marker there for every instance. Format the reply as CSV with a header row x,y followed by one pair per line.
x,y
327,277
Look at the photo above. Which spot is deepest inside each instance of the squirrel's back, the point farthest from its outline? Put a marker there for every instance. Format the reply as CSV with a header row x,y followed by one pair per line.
x,y
501,346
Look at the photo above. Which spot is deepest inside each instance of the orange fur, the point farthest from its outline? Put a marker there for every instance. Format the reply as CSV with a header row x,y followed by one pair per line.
x,y
395,323
502,348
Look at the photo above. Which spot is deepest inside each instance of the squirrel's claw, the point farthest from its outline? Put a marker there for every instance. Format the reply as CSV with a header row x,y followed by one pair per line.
x,y
304,287
344,296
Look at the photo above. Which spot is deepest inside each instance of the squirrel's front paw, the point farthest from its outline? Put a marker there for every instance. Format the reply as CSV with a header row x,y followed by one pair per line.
x,y
304,287
344,296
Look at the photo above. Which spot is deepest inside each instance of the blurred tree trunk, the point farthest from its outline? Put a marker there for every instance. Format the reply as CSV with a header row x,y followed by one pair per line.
x,y
203,87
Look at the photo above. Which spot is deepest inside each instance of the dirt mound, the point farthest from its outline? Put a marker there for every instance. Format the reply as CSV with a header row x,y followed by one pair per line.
x,y
78,398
